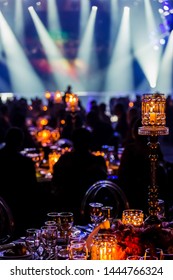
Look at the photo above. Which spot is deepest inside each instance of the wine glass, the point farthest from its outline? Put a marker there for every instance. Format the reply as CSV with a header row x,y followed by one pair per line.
x,y
107,212
33,240
50,223
54,216
66,223
49,238
95,210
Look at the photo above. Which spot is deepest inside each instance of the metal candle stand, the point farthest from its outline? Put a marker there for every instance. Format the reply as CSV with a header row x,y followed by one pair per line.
x,y
153,121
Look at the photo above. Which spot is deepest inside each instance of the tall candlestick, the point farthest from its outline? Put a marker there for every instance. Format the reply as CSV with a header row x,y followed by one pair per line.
x,y
153,121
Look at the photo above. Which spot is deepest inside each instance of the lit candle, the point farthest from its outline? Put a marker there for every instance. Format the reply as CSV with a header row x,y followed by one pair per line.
x,y
152,118
53,158
47,95
57,97
103,251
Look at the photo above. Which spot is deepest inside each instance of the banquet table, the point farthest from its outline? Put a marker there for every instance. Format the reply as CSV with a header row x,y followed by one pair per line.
x,y
129,242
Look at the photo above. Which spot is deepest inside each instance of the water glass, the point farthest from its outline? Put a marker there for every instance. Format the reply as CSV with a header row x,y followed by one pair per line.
x,y
95,210
78,250
50,223
33,240
66,223
54,216
107,212
49,237
62,252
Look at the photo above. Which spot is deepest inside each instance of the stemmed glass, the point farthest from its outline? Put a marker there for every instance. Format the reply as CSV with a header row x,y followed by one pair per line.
x,y
33,241
49,238
95,211
50,223
66,223
107,212
54,216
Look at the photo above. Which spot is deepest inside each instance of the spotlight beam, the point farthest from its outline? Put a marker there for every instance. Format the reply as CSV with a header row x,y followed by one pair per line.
x,y
19,24
54,25
56,60
165,81
147,53
84,15
120,74
23,78
85,51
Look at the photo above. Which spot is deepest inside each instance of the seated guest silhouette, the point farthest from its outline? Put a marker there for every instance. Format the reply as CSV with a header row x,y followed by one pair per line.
x,y
75,172
18,181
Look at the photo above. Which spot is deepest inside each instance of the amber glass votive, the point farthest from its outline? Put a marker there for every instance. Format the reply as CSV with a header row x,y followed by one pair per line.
x,y
133,217
104,247
153,109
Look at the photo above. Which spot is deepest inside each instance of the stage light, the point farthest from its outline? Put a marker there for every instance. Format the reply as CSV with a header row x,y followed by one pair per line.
x,y
120,71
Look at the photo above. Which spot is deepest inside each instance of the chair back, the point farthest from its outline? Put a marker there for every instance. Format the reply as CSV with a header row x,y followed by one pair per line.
x,y
108,193
6,222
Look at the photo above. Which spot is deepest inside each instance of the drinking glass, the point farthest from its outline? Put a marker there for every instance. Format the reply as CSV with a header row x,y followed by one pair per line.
x,y
95,211
33,240
66,223
154,252
50,223
62,252
54,216
78,250
107,212
49,237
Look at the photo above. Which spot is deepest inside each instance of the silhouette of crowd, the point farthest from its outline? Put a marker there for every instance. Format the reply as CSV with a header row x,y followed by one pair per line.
x,y
88,131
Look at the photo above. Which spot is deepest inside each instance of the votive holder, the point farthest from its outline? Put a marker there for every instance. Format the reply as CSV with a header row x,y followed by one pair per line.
x,y
104,247
133,217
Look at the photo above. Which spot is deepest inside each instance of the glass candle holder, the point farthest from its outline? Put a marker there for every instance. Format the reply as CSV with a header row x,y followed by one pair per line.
x,y
104,247
44,137
133,217
153,109
57,97
72,102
